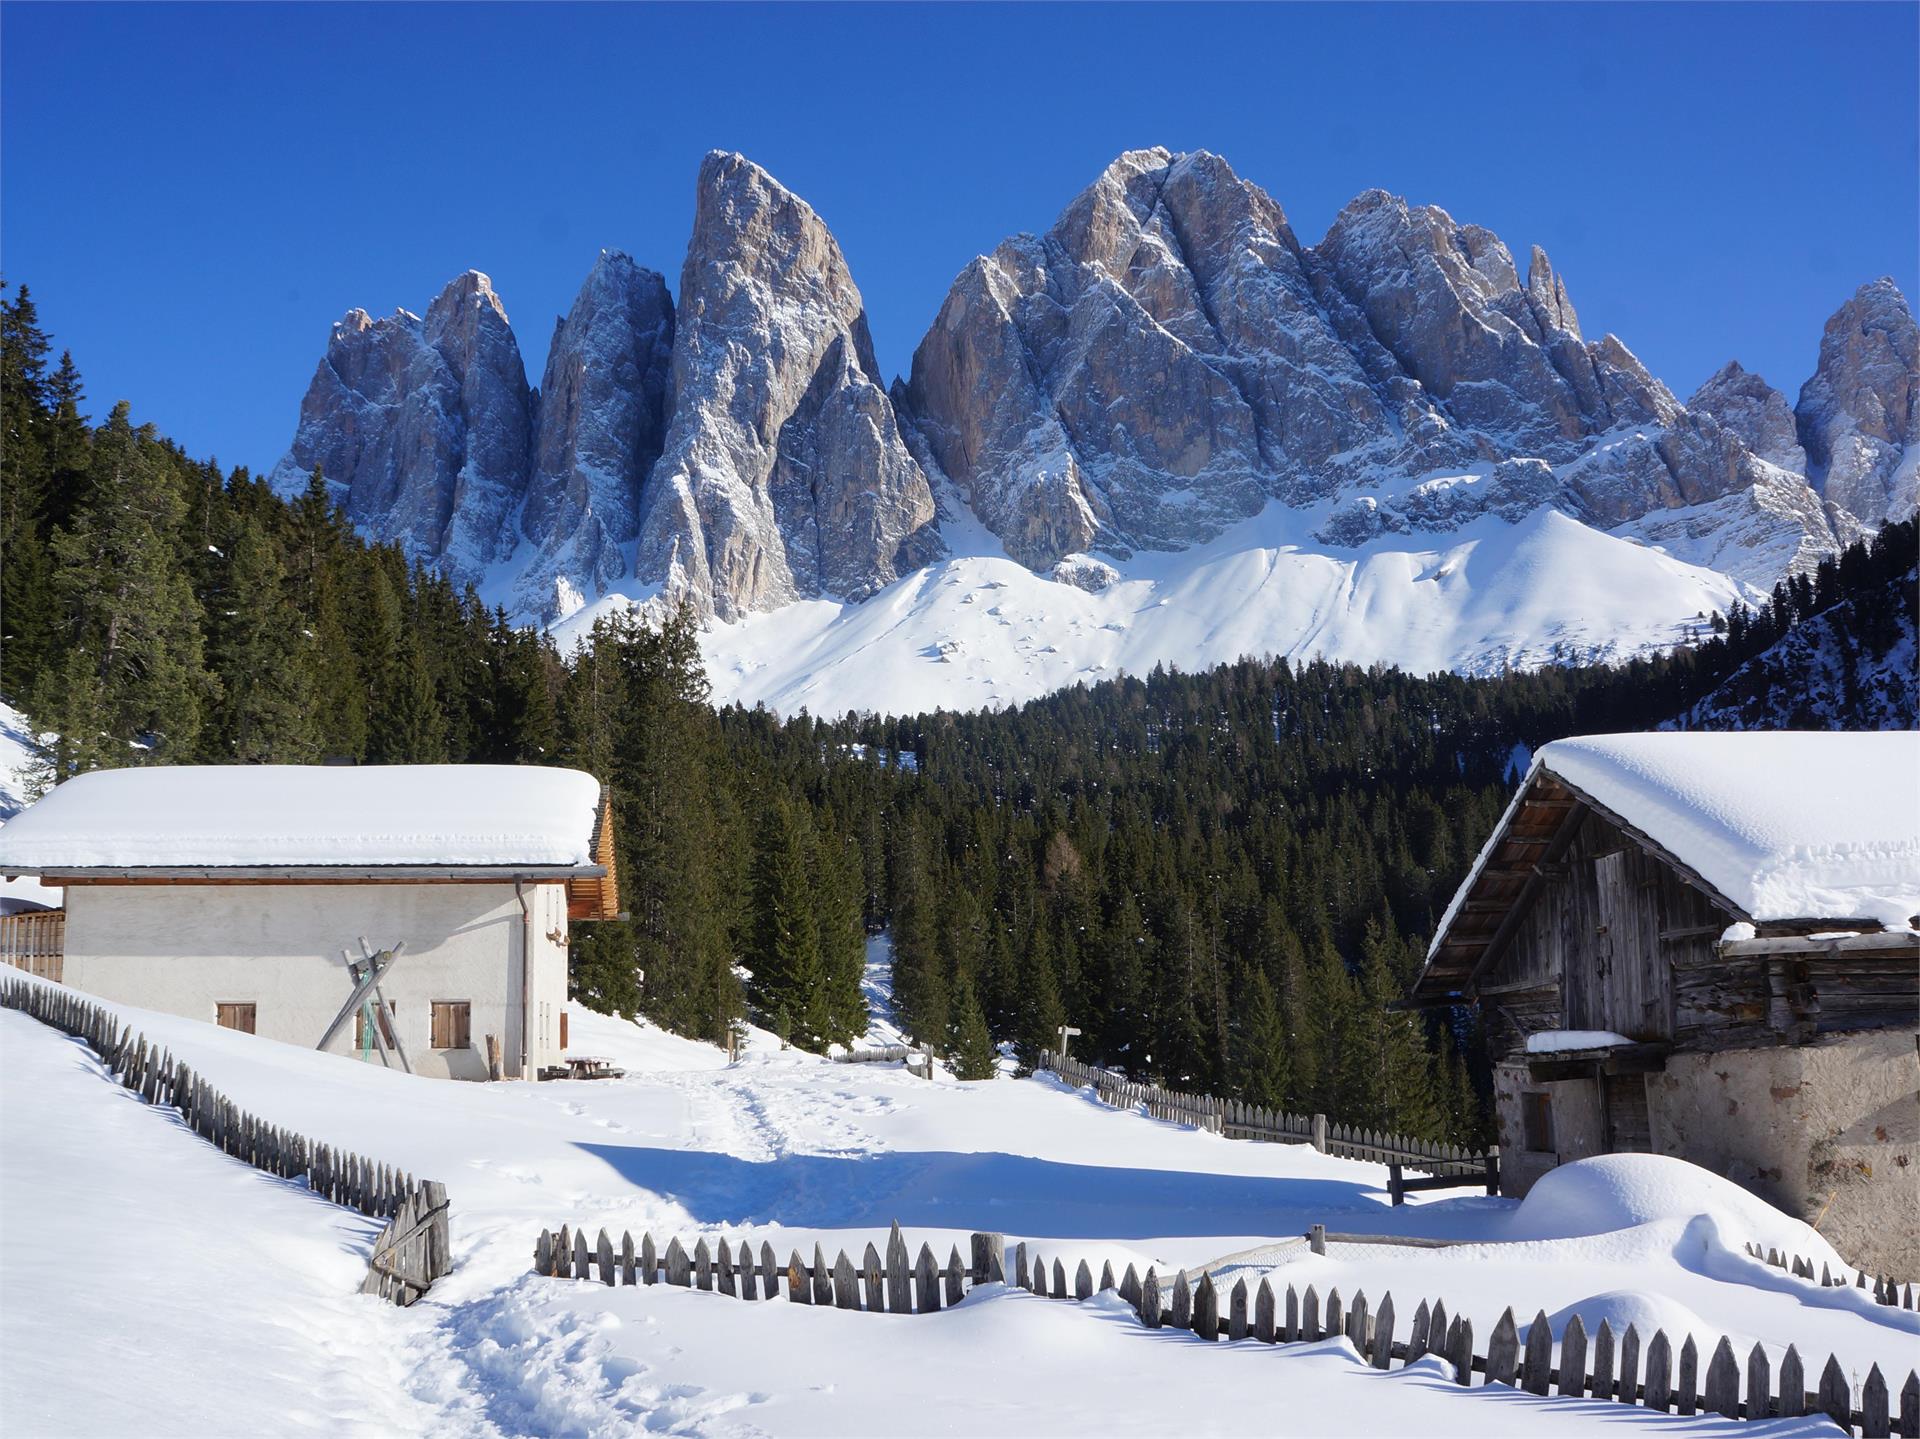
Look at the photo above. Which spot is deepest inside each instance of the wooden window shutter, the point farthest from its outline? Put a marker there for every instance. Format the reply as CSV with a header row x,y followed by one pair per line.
x,y
233,1015
452,1024
563,1029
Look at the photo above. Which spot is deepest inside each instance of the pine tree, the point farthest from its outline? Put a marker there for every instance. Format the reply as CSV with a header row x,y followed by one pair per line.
x,y
1039,1013
266,712
973,1052
124,601
785,953
1261,1059
838,907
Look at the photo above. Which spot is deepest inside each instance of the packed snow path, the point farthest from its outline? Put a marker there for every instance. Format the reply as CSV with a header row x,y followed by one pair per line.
x,y
211,1258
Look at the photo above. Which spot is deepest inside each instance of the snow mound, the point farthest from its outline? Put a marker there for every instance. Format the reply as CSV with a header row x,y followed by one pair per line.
x,y
1611,1192
1648,1313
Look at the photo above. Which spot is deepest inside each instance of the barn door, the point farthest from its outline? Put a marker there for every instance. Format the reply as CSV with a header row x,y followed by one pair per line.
x,y
1629,1130
1615,998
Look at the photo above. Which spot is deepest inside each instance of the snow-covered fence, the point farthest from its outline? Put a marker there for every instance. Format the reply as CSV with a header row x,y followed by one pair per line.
x,y
1886,1289
410,1253
35,941
1607,1367
920,1059
896,1284
1237,1120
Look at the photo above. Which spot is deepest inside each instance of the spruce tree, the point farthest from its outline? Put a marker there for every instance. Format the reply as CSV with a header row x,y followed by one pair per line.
x,y
266,712
785,954
124,601
1261,1058
838,910
973,1052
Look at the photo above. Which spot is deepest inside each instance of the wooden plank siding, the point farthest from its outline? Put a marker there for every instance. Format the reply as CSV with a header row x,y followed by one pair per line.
x,y
598,898
35,940
1579,922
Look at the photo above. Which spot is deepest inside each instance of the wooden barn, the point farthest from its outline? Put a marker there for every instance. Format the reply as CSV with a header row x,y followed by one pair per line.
x,y
1704,945
412,915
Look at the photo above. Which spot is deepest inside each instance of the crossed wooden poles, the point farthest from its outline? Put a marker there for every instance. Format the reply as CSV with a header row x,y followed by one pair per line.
x,y
367,997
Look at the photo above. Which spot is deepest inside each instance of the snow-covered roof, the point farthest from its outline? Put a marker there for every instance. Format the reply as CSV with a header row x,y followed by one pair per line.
x,y
308,816
1783,824
1786,824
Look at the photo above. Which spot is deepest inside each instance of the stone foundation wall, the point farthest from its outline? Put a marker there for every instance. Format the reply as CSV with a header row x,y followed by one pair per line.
x,y
1829,1132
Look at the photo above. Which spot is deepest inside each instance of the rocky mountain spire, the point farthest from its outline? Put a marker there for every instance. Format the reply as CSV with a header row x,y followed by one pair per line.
x,y
1755,412
1859,416
602,420
422,427
468,327
1143,375
784,474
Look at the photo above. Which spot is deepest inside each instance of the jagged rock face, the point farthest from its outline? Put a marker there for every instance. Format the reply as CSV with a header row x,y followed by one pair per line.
x,y
1503,360
1757,414
422,426
1147,372
784,473
1168,357
467,325
1859,416
601,424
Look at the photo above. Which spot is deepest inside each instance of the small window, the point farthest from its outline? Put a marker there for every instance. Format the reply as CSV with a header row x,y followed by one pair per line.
x,y
360,1040
452,1023
235,1016
1536,1118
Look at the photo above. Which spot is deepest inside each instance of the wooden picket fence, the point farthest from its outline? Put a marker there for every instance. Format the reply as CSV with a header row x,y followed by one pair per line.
x,y
35,940
409,1254
895,1284
1628,1368
1611,1368
1237,1120
892,1053
1886,1289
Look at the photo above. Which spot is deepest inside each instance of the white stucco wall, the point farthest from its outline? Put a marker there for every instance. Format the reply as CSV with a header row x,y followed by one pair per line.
x,y
185,948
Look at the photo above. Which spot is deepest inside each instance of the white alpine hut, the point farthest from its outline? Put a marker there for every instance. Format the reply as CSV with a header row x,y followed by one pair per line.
x,y
413,915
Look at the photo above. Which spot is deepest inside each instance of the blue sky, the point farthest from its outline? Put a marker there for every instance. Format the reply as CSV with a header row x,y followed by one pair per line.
x,y
195,194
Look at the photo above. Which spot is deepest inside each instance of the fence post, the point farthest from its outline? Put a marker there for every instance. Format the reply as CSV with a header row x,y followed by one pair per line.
x,y
1317,1238
1319,1132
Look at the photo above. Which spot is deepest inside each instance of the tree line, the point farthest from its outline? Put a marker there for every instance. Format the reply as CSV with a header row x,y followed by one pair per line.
x,y
1224,880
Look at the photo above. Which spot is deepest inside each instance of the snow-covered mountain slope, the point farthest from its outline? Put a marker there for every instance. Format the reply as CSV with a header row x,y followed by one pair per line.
x,y
789,1149
978,630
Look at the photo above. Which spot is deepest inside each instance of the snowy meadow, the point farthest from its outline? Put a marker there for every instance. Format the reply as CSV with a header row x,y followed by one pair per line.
x,y
790,1149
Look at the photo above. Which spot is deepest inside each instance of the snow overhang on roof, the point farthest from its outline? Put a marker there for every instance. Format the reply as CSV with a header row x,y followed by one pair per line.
x,y
1778,827
311,822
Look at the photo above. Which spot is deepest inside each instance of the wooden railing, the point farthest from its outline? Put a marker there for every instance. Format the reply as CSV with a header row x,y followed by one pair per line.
x,y
35,940
1237,1120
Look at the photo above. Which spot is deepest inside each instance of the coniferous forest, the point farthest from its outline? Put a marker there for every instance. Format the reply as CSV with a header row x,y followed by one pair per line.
x,y
1223,879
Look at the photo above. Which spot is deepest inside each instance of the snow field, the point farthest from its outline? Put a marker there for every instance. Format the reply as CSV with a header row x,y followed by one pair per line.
x,y
979,630
790,1149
